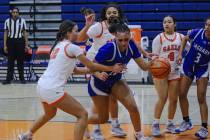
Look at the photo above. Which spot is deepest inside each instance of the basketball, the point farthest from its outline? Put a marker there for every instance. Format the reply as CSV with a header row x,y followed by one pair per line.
x,y
160,68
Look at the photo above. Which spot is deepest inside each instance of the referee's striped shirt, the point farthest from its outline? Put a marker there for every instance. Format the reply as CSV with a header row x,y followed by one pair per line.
x,y
15,28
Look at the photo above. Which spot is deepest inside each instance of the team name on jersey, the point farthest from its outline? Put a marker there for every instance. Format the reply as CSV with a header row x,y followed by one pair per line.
x,y
202,50
171,48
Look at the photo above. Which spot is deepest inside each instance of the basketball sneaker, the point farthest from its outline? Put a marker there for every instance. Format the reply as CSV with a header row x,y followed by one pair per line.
x,y
142,137
156,130
202,133
184,126
171,128
25,137
117,131
97,135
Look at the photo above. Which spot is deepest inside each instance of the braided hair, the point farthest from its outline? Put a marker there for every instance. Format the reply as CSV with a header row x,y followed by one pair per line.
x,y
66,26
118,27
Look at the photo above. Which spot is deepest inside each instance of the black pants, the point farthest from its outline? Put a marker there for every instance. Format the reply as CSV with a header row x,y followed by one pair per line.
x,y
16,51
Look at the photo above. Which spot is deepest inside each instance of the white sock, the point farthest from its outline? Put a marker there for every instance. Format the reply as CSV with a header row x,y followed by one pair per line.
x,y
114,122
96,127
156,121
170,121
139,134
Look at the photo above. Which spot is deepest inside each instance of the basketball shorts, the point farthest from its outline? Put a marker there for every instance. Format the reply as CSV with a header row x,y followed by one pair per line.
x,y
195,71
98,87
50,96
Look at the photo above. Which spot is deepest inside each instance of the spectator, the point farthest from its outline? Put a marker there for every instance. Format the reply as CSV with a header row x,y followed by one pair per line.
x,y
15,44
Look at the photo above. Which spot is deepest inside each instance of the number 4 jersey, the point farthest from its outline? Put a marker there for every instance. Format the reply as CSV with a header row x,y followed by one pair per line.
x,y
168,46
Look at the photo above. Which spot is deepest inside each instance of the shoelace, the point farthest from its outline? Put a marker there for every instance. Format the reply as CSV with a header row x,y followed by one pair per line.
x,y
202,131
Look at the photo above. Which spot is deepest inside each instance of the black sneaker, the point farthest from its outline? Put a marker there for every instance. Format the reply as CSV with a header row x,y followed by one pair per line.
x,y
6,82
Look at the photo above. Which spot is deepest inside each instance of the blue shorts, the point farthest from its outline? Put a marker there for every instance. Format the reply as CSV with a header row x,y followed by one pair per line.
x,y
195,71
99,87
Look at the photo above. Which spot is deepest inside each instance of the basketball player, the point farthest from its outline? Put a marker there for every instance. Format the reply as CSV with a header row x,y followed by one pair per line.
x,y
166,45
50,88
120,50
100,34
196,65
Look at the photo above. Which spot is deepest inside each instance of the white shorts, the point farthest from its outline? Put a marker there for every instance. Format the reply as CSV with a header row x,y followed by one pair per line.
x,y
174,76
50,96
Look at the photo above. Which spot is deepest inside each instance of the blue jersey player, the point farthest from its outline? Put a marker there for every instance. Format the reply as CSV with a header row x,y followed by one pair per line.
x,y
195,65
121,50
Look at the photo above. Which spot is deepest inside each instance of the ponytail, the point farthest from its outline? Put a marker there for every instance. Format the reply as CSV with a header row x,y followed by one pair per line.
x,y
66,26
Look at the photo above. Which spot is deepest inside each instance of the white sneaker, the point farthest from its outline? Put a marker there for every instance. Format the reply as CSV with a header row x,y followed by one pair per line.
x,y
171,128
156,130
141,137
184,126
97,135
117,131
202,133
25,137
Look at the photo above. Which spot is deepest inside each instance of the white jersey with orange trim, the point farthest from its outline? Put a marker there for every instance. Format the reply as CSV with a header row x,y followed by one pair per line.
x,y
168,46
100,34
61,65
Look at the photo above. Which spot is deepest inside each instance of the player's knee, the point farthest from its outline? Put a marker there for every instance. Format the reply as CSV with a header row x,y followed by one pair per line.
x,y
182,96
163,99
173,101
201,99
83,114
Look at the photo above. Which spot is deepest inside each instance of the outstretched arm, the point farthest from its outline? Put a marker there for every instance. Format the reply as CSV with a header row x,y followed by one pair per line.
x,y
98,67
82,36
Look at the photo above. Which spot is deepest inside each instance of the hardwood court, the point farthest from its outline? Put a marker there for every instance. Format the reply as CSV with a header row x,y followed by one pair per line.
x,y
64,131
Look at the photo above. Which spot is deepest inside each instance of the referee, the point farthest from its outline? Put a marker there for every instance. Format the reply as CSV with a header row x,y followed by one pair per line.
x,y
15,44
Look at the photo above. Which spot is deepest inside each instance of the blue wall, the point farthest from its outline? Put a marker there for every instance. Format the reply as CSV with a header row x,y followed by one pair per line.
x,y
148,13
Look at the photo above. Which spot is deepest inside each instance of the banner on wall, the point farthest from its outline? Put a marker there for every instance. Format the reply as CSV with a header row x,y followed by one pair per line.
x,y
132,67
136,33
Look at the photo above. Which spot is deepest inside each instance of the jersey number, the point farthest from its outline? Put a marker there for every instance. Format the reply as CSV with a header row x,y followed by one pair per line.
x,y
198,58
171,56
54,53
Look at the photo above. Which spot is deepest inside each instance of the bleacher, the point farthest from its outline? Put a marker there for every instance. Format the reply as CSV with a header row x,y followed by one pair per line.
x,y
147,13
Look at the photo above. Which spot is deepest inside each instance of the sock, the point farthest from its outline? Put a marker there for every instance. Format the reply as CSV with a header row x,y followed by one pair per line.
x,y
29,133
96,127
138,134
204,125
156,121
186,119
114,122
170,121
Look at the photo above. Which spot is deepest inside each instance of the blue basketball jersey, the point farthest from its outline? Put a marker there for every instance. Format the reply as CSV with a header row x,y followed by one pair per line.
x,y
197,59
199,53
109,55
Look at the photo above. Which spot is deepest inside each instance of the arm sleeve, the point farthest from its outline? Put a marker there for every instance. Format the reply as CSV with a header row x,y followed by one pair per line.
x,y
73,50
24,24
6,25
104,53
94,30
156,45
